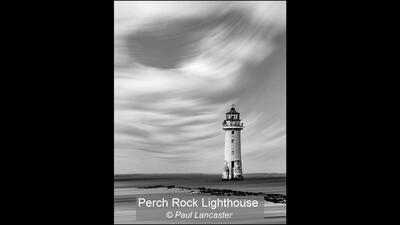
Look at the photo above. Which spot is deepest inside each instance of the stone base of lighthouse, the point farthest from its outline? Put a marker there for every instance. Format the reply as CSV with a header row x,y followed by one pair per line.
x,y
232,170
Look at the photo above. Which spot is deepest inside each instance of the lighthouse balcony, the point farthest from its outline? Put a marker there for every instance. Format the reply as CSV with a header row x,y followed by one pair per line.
x,y
232,125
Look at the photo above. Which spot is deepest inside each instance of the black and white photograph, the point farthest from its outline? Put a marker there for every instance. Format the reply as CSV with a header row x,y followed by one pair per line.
x,y
199,111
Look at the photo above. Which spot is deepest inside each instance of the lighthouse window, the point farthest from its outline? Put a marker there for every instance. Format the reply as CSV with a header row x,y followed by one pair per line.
x,y
232,141
233,132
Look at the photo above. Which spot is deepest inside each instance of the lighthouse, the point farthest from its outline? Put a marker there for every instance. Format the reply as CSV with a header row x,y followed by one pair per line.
x,y
233,159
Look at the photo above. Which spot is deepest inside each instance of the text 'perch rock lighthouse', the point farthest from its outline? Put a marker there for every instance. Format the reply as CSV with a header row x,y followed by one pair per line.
x,y
233,158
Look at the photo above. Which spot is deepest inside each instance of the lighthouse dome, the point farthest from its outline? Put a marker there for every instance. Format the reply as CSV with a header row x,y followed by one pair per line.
x,y
232,111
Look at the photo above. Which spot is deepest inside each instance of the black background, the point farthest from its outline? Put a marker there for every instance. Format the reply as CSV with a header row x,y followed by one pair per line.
x,y
58,103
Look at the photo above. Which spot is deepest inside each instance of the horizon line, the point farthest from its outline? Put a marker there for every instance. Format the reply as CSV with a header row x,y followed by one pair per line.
x,y
191,173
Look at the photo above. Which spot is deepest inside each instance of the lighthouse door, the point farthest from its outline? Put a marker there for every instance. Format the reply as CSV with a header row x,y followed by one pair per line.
x,y
232,166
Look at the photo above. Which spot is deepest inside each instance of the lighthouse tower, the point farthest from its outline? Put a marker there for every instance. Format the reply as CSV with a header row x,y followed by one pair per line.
x,y
233,159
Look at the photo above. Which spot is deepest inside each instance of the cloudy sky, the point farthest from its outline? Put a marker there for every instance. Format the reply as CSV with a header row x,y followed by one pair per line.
x,y
178,66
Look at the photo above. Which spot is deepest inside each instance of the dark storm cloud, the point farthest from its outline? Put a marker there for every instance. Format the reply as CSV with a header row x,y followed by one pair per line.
x,y
165,43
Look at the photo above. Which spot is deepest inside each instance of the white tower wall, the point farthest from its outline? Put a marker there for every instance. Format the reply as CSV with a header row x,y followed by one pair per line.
x,y
233,154
235,146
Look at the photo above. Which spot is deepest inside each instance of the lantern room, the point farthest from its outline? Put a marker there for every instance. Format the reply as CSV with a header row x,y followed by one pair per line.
x,y
232,114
